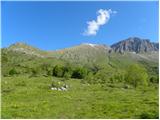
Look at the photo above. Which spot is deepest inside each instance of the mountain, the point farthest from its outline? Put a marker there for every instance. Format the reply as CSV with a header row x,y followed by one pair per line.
x,y
133,48
135,44
120,55
26,49
83,53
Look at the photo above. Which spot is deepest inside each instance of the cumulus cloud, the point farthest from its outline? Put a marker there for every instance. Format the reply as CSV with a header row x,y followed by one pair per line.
x,y
102,18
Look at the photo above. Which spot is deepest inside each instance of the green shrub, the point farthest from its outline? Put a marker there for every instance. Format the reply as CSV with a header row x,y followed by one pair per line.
x,y
13,71
79,73
118,77
58,71
136,75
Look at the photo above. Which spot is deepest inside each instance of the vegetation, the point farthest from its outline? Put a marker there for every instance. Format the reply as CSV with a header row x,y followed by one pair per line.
x,y
79,73
114,87
24,97
136,75
12,71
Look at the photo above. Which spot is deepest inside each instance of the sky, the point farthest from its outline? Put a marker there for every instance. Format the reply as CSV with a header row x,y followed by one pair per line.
x,y
56,25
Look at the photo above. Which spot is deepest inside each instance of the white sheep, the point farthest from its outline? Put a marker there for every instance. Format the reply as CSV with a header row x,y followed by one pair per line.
x,y
63,88
53,88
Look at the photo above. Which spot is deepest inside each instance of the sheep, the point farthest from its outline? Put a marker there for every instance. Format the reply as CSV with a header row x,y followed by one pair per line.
x,y
53,88
63,88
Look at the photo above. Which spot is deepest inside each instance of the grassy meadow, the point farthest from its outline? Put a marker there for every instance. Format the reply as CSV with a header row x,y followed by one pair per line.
x,y
32,97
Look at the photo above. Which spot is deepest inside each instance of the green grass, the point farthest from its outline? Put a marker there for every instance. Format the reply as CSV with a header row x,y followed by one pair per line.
x,y
24,97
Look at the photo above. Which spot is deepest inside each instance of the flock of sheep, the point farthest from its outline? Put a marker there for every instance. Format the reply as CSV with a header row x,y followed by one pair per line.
x,y
59,88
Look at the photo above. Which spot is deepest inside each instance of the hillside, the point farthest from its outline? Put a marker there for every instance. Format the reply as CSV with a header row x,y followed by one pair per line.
x,y
103,81
135,50
87,52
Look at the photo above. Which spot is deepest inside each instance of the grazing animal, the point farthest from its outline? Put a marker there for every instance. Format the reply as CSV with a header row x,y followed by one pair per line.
x,y
63,88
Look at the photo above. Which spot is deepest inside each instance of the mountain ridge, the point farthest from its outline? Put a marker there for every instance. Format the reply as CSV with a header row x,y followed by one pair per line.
x,y
120,46
135,44
87,55
131,48
130,39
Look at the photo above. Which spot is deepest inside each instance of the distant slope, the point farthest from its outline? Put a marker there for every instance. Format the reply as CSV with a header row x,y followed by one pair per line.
x,y
136,47
84,53
27,49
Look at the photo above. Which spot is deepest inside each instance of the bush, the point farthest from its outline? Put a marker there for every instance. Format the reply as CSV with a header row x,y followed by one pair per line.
x,y
136,75
58,71
101,77
79,73
117,77
13,71
62,71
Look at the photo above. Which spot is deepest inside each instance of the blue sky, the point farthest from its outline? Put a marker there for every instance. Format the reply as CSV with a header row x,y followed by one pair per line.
x,y
56,25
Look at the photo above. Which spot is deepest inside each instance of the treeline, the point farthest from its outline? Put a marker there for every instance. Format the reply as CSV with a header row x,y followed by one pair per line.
x,y
134,75
66,71
69,72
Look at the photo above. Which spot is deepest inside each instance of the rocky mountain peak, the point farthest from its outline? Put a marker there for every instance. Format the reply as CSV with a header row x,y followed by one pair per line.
x,y
135,44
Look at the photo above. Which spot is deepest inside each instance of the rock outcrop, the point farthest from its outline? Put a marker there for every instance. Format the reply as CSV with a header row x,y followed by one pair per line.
x,y
135,44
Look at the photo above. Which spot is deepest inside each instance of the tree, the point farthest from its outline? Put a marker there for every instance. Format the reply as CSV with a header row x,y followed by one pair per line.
x,y
58,71
136,75
79,73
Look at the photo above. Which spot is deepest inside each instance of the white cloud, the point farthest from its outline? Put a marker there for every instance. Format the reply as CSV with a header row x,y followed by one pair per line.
x,y
102,18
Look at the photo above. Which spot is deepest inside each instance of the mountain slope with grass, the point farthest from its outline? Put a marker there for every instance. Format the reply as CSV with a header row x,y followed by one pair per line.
x,y
102,81
135,50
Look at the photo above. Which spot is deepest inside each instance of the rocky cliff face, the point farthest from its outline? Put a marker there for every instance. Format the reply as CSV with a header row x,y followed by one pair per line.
x,y
135,44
